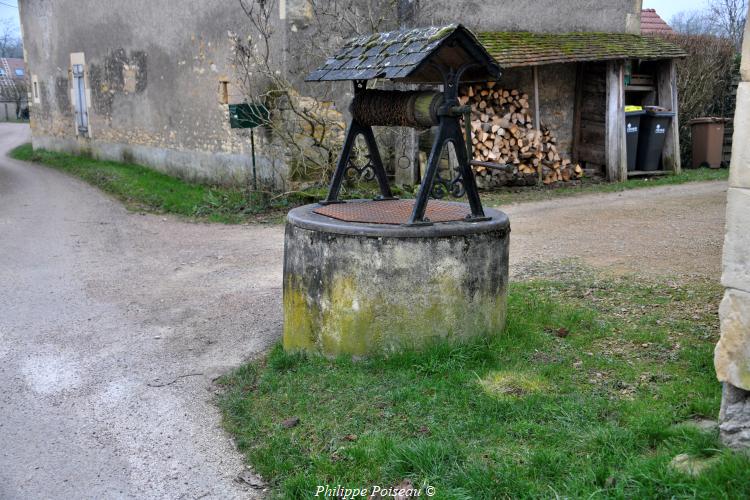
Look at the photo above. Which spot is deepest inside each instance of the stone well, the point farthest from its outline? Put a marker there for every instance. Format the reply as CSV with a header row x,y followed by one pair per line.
x,y
362,288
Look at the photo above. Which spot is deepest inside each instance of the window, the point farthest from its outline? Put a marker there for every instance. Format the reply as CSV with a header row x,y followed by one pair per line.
x,y
79,89
35,89
2,72
19,72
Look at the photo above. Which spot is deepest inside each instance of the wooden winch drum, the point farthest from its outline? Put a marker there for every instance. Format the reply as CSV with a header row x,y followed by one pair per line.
x,y
394,108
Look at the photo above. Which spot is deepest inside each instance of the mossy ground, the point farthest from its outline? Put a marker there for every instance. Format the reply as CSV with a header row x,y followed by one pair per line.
x,y
577,398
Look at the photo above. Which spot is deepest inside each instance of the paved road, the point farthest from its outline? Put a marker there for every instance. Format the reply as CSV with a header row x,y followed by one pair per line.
x,y
113,324
112,327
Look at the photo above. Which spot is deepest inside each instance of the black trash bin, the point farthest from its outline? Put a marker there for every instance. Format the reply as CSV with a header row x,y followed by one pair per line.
x,y
654,128
632,128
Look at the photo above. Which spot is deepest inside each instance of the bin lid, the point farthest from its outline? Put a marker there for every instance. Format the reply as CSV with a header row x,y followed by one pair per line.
x,y
659,111
708,119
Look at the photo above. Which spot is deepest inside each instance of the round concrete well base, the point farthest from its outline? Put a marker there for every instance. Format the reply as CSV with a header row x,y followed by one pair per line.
x,y
361,289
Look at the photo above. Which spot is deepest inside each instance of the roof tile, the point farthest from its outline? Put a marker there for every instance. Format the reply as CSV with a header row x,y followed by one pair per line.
x,y
519,49
398,54
653,24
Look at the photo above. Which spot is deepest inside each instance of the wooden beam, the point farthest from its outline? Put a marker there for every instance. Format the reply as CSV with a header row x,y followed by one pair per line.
x,y
615,151
666,83
537,118
577,112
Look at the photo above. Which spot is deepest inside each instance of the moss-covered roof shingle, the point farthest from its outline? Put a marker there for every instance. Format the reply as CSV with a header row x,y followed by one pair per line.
x,y
402,54
517,49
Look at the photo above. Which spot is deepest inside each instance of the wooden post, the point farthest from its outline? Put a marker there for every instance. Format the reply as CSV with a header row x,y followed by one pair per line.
x,y
666,82
615,154
537,120
577,111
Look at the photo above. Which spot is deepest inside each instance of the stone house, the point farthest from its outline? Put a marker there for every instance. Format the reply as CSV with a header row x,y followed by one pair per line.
x,y
13,88
149,82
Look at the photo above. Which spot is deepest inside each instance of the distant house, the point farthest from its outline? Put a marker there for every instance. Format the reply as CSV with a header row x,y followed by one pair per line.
x,y
653,24
13,88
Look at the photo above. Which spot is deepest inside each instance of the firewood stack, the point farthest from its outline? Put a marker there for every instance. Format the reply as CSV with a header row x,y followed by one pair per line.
x,y
503,132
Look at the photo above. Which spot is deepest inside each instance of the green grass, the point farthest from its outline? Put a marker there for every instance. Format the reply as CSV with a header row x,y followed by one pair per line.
x,y
527,414
144,189
505,196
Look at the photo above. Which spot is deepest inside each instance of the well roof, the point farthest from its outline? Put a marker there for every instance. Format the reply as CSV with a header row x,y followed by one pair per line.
x,y
404,54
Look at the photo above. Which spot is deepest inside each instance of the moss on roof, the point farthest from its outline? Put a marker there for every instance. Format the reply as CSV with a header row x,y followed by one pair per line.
x,y
517,48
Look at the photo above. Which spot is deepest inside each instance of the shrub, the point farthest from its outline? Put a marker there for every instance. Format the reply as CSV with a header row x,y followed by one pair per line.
x,y
705,81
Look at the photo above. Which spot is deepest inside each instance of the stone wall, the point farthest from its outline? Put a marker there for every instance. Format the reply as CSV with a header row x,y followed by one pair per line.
x,y
732,357
555,16
153,73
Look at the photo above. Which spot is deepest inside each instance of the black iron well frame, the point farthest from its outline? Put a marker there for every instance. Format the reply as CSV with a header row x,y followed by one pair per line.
x,y
449,131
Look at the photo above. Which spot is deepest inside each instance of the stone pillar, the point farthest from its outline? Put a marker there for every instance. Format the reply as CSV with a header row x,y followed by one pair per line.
x,y
732,356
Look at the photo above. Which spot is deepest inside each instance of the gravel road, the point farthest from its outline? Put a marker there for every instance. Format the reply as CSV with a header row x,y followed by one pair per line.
x,y
113,325
671,230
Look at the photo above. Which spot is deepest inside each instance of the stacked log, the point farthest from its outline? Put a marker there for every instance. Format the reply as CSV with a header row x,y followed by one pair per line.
x,y
503,132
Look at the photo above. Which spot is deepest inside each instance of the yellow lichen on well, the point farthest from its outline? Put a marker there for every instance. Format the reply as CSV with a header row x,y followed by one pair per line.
x,y
351,319
347,325
299,319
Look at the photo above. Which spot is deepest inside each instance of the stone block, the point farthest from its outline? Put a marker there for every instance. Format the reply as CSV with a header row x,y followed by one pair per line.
x,y
739,173
745,67
734,417
737,240
732,353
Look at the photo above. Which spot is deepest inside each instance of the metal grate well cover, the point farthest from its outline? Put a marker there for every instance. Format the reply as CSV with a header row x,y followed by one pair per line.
x,y
392,211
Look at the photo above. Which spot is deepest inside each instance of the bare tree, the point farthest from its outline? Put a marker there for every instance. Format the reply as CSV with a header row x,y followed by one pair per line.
x,y
727,19
10,41
691,22
307,130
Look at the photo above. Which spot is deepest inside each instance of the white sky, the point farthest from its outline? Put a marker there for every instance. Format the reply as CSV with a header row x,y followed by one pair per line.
x,y
668,8
9,9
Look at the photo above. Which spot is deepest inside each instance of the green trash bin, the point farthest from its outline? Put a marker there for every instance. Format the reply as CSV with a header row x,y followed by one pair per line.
x,y
632,129
655,125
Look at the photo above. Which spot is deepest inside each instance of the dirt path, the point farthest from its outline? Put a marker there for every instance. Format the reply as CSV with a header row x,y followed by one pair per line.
x,y
671,230
113,325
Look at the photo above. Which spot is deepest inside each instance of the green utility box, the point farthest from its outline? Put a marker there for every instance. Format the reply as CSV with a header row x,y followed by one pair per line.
x,y
246,115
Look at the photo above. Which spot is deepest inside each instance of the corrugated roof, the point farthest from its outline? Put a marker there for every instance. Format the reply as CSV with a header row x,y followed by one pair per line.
x,y
653,24
518,49
400,54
